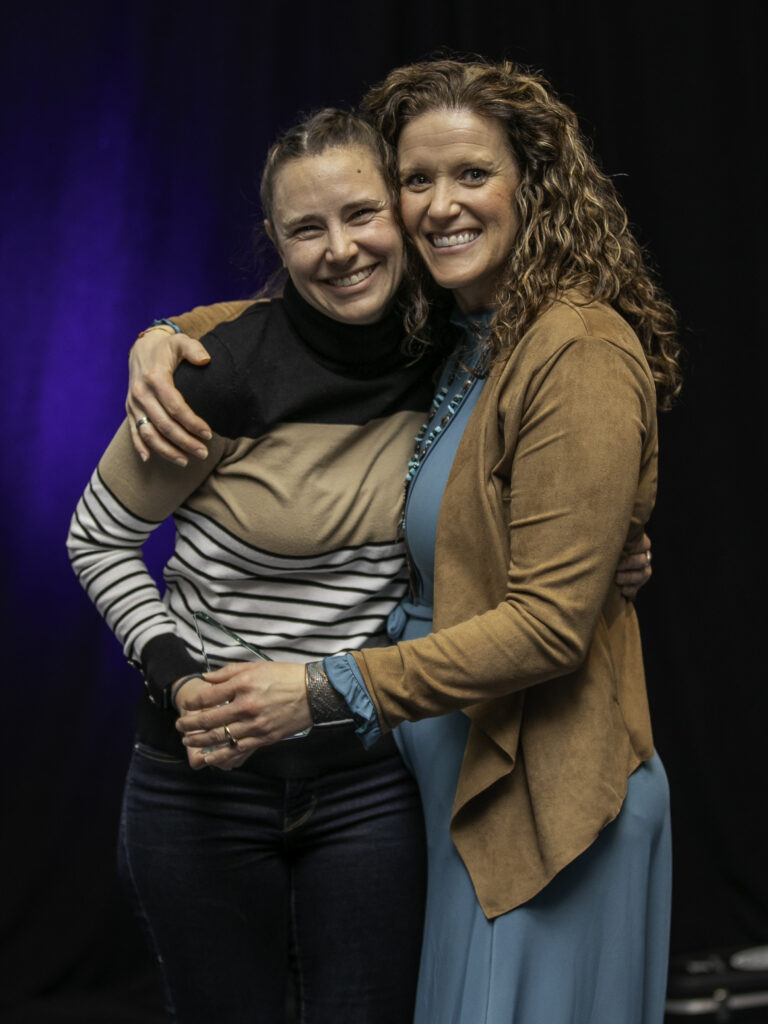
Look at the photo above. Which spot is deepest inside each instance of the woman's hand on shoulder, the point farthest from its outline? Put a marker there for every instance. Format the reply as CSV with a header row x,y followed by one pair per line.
x,y
634,570
159,418
246,705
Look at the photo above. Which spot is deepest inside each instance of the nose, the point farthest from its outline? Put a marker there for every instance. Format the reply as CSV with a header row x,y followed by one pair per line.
x,y
443,203
341,246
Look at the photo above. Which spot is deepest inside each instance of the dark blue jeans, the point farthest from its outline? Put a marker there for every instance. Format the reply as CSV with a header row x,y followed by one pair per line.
x,y
242,880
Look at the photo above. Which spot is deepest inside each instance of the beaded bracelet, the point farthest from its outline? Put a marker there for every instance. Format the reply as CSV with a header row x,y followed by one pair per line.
x,y
169,324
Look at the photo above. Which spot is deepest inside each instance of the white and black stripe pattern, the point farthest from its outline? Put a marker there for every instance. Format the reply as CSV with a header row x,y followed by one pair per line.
x,y
104,544
294,607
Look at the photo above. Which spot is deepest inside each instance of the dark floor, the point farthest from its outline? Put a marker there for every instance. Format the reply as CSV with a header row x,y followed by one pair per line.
x,y
140,1002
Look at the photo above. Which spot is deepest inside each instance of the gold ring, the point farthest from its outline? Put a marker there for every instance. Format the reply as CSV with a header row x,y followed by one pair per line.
x,y
230,738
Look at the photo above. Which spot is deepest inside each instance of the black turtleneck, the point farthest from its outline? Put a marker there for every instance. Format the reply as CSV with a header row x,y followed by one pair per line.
x,y
284,361
355,350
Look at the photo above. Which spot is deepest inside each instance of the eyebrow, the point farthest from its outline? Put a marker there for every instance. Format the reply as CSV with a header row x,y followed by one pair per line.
x,y
460,163
307,218
478,154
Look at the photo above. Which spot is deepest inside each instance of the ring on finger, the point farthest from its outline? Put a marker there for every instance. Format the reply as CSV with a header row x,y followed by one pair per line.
x,y
647,557
142,422
231,740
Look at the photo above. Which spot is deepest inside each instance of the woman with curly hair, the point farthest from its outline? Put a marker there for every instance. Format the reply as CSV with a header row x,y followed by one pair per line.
x,y
516,683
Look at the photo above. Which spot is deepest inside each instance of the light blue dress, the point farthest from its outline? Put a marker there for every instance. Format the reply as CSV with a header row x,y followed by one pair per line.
x,y
592,947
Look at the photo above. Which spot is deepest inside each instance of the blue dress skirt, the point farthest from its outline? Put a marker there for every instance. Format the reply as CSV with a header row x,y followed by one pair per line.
x,y
592,947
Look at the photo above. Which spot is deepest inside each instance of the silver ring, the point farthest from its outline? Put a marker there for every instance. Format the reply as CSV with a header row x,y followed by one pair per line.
x,y
230,738
647,557
140,423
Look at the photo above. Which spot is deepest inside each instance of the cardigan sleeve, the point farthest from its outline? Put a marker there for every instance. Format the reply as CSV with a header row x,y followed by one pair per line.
x,y
202,319
568,478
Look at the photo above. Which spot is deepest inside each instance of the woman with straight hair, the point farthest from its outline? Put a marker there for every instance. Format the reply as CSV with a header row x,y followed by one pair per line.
x,y
309,858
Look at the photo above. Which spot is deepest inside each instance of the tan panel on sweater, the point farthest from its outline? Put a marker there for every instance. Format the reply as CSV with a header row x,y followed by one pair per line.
x,y
303,489
309,488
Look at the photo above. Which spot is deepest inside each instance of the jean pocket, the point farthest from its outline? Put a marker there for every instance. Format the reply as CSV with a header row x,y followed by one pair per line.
x,y
154,754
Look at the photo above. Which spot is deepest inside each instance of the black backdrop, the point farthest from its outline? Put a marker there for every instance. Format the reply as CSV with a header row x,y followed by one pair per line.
x,y
132,140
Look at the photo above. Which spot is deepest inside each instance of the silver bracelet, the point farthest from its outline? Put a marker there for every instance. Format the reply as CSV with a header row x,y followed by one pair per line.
x,y
325,703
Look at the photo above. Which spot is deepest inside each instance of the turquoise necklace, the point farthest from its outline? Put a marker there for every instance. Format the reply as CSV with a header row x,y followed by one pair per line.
x,y
424,440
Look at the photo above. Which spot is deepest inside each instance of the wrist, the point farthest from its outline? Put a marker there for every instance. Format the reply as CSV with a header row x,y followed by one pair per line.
x,y
164,325
178,685
164,660
148,330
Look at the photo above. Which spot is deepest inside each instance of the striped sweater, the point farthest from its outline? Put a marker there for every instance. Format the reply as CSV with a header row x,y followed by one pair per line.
x,y
286,534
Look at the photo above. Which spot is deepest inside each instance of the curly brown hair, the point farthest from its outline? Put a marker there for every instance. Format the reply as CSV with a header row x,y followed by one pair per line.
x,y
574,232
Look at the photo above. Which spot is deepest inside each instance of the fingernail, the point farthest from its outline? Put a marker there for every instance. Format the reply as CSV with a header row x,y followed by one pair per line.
x,y
201,453
181,461
143,456
206,435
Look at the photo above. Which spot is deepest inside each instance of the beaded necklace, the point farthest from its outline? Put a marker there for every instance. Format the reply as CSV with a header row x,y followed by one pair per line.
x,y
424,440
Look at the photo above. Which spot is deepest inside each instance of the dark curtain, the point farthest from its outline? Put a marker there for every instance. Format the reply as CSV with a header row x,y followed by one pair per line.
x,y
132,137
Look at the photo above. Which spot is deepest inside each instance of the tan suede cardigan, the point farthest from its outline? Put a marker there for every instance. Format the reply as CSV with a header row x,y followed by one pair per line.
x,y
555,471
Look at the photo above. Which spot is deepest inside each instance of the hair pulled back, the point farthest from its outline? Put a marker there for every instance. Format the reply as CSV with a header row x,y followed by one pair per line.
x,y
574,232
330,128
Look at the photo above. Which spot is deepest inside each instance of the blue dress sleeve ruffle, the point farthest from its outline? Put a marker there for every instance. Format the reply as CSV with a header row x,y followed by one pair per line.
x,y
344,676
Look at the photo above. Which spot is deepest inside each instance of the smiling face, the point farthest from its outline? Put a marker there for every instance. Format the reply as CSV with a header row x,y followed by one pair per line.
x,y
458,177
334,227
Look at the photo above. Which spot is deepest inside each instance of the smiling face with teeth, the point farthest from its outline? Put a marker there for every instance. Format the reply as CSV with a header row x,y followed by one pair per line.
x,y
334,227
458,177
